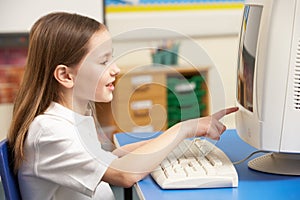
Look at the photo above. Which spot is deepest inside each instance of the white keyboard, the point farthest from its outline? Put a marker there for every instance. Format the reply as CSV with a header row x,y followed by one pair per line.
x,y
196,164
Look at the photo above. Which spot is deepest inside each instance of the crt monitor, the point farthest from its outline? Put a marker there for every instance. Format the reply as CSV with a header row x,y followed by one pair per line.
x,y
268,84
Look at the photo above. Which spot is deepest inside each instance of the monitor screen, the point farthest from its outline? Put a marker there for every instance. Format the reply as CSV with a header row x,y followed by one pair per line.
x,y
247,55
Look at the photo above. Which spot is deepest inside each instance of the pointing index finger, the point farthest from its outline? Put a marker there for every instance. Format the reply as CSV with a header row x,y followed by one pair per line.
x,y
222,113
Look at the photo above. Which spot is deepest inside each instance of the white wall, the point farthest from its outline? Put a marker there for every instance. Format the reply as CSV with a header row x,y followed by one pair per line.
x,y
19,16
223,52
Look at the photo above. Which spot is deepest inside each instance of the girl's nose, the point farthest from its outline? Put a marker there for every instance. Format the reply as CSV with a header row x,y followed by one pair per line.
x,y
115,70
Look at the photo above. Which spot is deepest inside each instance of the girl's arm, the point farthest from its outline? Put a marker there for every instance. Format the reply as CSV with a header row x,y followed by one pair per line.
x,y
123,150
132,167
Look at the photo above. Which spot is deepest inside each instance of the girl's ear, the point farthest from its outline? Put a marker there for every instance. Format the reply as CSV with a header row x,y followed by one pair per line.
x,y
63,75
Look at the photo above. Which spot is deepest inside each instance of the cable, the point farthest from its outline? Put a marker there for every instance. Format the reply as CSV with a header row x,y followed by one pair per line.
x,y
249,156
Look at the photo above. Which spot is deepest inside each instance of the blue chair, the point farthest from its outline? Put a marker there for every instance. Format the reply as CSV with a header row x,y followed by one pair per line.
x,y
8,178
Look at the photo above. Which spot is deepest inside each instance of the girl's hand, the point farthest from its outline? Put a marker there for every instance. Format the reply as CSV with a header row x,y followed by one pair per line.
x,y
209,126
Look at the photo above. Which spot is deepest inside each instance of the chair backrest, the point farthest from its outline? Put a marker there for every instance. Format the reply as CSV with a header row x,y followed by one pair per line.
x,y
8,178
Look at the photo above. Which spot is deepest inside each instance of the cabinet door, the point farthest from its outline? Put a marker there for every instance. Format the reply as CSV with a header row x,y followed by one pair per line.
x,y
140,113
140,103
140,86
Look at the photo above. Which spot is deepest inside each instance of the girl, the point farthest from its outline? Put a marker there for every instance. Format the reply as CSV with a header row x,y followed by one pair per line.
x,y
53,137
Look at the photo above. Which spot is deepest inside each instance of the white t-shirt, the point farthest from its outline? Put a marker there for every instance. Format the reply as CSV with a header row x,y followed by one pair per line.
x,y
64,159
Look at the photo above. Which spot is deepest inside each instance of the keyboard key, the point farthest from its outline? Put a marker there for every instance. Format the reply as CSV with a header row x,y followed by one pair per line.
x,y
214,160
165,163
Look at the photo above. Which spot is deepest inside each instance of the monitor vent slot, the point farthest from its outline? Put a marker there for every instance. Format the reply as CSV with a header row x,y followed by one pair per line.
x,y
297,79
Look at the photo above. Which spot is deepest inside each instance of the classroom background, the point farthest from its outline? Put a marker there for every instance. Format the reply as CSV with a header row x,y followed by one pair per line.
x,y
207,31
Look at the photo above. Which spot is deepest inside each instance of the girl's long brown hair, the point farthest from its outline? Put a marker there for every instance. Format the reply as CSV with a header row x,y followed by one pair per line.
x,y
57,38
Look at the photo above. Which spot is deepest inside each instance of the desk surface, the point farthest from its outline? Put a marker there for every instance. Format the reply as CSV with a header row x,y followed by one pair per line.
x,y
252,184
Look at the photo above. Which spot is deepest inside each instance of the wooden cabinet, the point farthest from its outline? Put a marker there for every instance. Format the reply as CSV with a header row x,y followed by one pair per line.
x,y
140,101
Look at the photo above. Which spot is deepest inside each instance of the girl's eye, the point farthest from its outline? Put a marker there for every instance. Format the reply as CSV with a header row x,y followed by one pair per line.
x,y
107,60
104,63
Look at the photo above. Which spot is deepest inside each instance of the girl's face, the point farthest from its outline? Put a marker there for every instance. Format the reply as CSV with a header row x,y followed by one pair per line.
x,y
97,72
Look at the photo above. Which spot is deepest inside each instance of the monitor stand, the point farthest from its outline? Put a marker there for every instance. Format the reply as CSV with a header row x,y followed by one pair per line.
x,y
277,163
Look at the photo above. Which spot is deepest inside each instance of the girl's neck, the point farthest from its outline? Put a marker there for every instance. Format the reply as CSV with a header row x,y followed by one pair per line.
x,y
76,106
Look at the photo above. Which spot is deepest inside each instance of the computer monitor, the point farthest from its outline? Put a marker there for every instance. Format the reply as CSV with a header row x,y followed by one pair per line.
x,y
268,84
